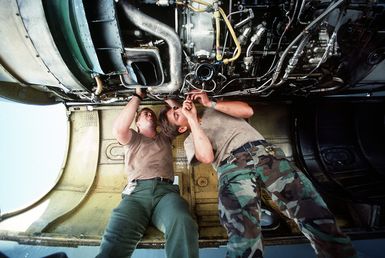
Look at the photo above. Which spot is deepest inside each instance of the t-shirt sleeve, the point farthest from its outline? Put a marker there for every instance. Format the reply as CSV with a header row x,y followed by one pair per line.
x,y
190,151
135,138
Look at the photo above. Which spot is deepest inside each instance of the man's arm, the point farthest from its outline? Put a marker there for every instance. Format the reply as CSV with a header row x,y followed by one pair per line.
x,y
233,108
202,145
121,129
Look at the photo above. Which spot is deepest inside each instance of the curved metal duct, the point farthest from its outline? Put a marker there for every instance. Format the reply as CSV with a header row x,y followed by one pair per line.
x,y
166,33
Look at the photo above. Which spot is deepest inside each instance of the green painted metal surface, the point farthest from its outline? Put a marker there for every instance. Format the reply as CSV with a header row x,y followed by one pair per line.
x,y
65,30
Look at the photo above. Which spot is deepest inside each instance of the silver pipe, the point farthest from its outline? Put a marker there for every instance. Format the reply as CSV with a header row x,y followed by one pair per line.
x,y
297,54
300,13
256,38
243,22
163,31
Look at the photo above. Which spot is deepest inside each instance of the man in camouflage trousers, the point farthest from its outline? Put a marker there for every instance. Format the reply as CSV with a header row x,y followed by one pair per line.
x,y
290,189
245,162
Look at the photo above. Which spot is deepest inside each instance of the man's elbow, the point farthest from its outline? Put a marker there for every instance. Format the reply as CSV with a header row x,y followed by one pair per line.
x,y
250,112
117,132
247,112
207,159
121,135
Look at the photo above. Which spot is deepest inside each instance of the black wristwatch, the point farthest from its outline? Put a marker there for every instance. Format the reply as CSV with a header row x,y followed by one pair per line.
x,y
137,95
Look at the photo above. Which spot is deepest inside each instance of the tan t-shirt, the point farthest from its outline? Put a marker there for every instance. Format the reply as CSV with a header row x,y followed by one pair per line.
x,y
148,158
226,133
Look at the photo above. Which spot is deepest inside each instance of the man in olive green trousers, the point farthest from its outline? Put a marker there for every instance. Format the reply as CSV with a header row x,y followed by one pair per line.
x,y
150,196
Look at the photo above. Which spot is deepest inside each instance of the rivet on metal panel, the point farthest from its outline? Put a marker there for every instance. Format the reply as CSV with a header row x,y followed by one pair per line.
x,y
202,181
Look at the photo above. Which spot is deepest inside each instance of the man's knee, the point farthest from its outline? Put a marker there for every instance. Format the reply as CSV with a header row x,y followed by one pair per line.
x,y
185,220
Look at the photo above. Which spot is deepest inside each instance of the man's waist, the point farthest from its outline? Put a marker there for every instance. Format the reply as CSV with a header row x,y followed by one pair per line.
x,y
247,147
159,179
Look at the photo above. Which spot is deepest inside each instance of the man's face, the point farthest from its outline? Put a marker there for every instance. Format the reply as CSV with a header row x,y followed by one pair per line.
x,y
147,118
176,117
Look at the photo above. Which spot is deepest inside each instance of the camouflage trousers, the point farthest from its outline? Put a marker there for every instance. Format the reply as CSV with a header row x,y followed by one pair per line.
x,y
240,180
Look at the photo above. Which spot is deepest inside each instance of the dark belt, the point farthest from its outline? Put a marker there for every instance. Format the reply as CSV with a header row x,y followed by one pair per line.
x,y
245,148
160,179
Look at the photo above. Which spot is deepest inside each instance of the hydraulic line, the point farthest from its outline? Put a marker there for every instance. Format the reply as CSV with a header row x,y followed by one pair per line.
x,y
304,32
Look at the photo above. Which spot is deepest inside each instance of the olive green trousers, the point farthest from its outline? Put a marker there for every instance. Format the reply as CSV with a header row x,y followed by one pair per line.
x,y
151,203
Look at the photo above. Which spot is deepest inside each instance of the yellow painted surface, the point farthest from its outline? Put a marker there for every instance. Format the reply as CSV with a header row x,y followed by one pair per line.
x,y
77,210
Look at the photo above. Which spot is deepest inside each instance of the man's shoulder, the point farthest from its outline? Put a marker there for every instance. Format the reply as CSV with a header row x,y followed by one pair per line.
x,y
210,112
135,136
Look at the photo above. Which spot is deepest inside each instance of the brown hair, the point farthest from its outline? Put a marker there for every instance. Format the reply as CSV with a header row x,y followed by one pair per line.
x,y
168,129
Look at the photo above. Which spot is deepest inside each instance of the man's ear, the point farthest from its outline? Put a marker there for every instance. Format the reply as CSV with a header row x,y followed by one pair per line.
x,y
182,129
